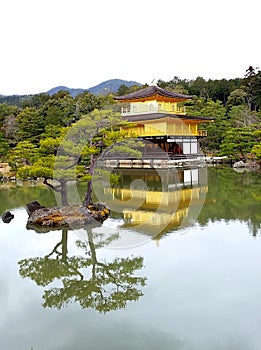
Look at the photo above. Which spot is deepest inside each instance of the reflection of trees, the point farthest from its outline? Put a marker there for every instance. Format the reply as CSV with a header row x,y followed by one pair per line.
x,y
233,196
13,196
100,285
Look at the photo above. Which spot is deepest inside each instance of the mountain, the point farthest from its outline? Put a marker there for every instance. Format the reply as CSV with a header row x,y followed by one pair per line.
x,y
104,88
110,86
73,92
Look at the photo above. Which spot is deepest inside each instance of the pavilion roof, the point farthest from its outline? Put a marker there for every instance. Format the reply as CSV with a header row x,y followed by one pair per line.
x,y
151,116
152,91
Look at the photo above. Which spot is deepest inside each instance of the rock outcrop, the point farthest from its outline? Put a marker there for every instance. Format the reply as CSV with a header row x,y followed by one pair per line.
x,y
32,207
71,216
248,164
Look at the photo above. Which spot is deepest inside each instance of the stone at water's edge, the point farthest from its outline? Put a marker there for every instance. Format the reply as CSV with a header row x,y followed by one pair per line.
x,y
71,216
33,206
248,164
7,217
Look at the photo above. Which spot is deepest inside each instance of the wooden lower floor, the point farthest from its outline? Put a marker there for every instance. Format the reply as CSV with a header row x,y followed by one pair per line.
x,y
175,147
157,152
156,149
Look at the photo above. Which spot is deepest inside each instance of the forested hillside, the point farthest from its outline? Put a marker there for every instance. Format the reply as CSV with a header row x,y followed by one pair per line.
x,y
30,131
106,87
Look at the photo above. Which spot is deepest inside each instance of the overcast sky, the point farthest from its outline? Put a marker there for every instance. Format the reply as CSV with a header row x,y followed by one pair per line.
x,y
80,43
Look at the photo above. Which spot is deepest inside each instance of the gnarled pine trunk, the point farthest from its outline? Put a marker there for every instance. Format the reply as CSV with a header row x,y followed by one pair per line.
x,y
88,194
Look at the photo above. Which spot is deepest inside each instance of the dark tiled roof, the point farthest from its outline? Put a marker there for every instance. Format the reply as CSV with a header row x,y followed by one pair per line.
x,y
151,116
151,91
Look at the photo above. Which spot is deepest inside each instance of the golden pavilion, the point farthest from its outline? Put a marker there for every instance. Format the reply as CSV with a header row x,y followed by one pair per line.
x,y
159,117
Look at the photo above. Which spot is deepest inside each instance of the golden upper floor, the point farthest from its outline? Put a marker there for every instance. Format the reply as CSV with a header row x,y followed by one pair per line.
x,y
154,111
152,106
153,99
161,125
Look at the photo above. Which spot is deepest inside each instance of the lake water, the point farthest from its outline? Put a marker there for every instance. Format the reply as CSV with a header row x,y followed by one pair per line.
x,y
176,266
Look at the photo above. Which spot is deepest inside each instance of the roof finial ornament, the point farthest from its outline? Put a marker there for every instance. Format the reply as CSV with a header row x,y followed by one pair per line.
x,y
153,83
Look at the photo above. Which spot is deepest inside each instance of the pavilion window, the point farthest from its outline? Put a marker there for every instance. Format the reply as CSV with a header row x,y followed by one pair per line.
x,y
186,147
194,148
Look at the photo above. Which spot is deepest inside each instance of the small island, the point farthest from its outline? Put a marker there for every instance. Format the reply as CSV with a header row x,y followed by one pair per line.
x,y
71,216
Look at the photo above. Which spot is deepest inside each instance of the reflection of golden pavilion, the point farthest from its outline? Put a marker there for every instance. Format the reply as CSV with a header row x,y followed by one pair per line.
x,y
159,201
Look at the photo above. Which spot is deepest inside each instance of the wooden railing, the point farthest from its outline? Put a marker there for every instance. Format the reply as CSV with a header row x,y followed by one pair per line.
x,y
202,133
151,109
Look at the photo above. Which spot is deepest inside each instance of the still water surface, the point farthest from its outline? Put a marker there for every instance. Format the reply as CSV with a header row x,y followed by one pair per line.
x,y
194,283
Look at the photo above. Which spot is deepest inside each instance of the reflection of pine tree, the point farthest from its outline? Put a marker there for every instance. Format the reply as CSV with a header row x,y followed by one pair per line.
x,y
103,286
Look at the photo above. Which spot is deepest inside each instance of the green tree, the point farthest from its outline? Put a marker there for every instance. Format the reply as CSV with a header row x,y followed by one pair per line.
x,y
36,101
52,131
252,84
236,98
23,154
239,141
215,130
87,102
198,87
59,110
41,165
7,111
124,89
256,151
73,154
82,141
31,124
240,116
4,146
176,84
